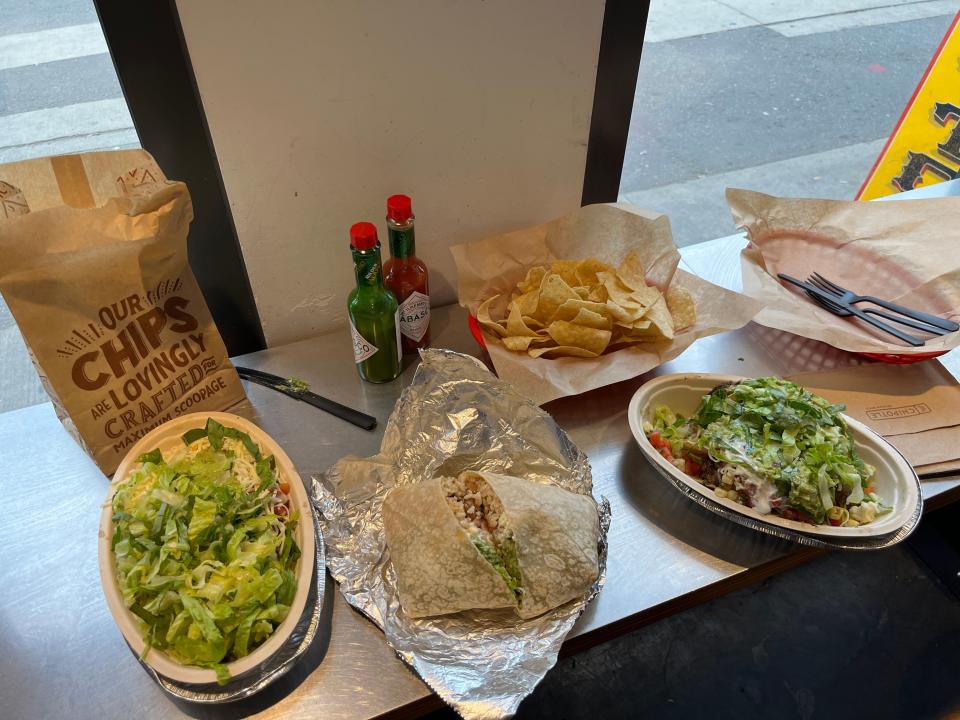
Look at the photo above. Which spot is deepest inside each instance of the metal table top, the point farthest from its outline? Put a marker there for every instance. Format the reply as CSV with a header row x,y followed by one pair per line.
x,y
62,655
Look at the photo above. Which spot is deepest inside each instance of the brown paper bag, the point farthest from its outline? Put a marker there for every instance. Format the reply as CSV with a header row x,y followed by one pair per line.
x,y
904,251
94,269
608,232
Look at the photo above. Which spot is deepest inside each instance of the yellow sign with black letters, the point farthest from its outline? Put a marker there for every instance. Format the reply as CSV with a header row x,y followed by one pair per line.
x,y
924,148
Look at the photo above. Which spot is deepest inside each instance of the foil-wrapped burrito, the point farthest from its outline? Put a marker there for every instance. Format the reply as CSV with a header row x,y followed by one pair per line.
x,y
480,645
487,541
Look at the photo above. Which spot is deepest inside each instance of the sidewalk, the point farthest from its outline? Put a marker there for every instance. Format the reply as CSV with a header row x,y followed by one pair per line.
x,y
787,98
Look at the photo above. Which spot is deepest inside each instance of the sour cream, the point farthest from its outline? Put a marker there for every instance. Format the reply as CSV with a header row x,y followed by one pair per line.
x,y
760,491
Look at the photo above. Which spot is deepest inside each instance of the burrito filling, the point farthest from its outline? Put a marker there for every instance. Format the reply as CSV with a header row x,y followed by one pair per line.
x,y
479,512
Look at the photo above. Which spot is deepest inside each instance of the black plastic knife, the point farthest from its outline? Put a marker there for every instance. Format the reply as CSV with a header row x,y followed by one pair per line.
x,y
355,417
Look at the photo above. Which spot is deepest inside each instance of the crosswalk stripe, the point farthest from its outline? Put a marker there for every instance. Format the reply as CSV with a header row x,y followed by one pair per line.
x,y
87,118
45,46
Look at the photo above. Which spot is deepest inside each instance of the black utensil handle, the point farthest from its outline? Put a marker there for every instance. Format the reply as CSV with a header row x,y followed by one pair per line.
x,y
880,325
249,373
355,417
915,324
910,339
939,322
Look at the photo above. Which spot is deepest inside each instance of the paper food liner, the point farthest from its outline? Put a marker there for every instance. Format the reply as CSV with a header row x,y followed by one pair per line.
x,y
607,232
905,252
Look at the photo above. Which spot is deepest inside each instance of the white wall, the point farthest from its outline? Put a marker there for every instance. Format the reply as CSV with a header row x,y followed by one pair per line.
x,y
478,109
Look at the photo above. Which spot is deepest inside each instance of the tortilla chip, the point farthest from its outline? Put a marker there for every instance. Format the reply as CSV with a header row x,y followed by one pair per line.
x,y
587,269
646,296
631,271
522,344
533,279
561,351
621,341
588,318
553,293
624,315
516,327
588,338
566,269
569,309
584,307
681,306
487,322
598,293
659,317
617,292
528,301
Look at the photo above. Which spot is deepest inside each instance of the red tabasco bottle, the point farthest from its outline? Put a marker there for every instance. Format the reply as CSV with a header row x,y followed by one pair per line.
x,y
406,276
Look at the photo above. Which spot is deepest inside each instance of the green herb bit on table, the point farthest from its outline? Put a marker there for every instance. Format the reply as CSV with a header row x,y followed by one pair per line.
x,y
296,385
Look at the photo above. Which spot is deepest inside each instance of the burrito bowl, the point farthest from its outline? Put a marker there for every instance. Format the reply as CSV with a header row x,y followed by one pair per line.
x,y
827,475
206,548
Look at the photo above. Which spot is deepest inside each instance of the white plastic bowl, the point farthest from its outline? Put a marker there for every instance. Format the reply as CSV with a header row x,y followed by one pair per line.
x,y
896,482
167,437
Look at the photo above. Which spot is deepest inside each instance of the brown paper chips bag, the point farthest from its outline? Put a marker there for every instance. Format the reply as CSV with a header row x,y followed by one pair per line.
x,y
94,269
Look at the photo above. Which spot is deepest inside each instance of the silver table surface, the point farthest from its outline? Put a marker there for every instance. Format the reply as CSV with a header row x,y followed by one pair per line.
x,y
61,654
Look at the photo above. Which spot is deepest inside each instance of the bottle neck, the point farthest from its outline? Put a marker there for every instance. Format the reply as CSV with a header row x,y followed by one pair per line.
x,y
402,240
366,267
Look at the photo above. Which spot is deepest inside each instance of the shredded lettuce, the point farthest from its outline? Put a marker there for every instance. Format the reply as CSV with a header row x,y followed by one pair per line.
x,y
202,558
781,432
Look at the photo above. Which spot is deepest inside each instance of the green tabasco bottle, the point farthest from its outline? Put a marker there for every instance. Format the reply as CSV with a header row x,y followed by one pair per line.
x,y
372,308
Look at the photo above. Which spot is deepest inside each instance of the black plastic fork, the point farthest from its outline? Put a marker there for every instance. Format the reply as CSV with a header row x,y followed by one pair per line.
x,y
892,317
848,297
830,302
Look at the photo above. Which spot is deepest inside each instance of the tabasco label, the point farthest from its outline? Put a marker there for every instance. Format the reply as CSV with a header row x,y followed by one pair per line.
x,y
361,348
415,316
396,326
925,146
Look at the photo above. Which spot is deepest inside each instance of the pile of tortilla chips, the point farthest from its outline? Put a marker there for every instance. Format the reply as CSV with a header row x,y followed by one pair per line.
x,y
584,308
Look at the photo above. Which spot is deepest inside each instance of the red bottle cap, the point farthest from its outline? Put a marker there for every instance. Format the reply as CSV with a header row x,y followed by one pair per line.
x,y
399,208
363,235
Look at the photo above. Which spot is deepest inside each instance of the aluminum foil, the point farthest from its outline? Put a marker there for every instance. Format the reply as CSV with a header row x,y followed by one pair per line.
x,y
454,416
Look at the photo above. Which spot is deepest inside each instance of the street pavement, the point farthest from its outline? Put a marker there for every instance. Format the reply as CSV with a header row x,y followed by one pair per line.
x,y
785,97
58,89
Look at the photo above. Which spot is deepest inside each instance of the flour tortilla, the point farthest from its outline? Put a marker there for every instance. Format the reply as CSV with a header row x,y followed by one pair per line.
x,y
557,533
439,571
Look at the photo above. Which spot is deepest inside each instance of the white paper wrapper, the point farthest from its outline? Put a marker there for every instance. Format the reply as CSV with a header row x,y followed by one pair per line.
x,y
454,416
904,251
607,232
